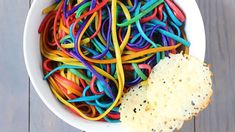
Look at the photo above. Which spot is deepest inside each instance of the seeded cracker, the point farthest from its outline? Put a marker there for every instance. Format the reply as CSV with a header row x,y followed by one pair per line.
x,y
180,87
136,113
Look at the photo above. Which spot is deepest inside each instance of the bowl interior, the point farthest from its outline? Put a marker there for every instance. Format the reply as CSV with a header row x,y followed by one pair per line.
x,y
194,30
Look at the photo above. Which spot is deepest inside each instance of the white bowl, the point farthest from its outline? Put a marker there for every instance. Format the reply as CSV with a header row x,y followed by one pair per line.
x,y
194,30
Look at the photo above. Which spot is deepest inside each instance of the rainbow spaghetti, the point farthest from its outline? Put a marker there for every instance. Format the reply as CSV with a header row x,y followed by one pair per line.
x,y
93,51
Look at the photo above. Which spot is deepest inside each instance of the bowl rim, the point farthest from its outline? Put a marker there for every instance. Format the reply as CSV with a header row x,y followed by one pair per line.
x,y
37,89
